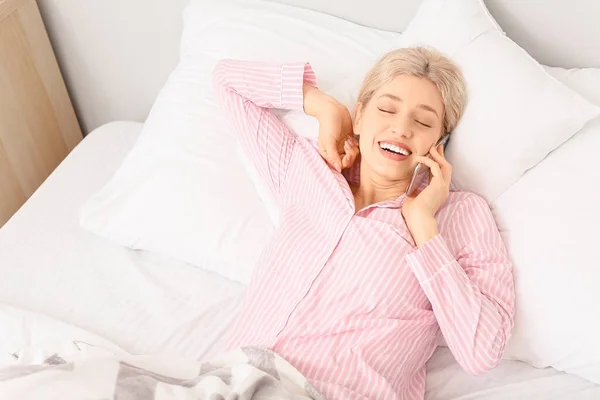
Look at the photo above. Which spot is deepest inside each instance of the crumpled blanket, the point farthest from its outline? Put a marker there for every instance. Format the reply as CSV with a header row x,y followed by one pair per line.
x,y
77,370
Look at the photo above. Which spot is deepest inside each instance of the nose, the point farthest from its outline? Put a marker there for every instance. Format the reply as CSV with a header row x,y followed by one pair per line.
x,y
401,126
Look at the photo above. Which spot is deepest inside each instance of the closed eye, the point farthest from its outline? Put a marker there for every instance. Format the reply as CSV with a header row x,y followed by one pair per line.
x,y
421,123
385,111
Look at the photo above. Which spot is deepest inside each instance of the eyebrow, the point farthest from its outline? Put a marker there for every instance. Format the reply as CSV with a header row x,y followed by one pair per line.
x,y
423,106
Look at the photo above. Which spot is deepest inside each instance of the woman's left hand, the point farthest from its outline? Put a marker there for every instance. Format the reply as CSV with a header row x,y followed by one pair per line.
x,y
419,211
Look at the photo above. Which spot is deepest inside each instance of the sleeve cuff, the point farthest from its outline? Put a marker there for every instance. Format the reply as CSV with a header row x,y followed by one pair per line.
x,y
293,75
429,259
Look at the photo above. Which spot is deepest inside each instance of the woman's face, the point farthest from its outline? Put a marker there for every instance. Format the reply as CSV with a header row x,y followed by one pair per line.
x,y
403,118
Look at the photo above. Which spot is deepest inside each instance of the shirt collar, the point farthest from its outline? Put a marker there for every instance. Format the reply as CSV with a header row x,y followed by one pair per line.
x,y
352,176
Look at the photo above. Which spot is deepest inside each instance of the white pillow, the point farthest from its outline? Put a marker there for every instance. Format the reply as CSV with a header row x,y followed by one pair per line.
x,y
549,221
516,113
183,190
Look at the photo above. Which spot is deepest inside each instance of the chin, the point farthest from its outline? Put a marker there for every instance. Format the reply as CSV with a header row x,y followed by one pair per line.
x,y
392,172
387,169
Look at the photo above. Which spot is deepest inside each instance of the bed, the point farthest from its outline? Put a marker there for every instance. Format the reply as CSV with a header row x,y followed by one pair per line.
x,y
147,304
61,282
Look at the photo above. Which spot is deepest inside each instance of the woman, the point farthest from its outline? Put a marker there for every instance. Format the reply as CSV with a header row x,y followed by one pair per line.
x,y
360,282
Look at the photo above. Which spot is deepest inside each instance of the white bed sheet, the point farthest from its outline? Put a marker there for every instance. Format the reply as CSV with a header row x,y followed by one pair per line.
x,y
60,282
141,302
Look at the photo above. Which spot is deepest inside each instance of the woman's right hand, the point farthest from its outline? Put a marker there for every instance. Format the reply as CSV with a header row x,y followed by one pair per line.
x,y
336,137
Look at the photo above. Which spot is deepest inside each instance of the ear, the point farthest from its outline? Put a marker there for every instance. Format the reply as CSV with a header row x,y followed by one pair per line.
x,y
358,113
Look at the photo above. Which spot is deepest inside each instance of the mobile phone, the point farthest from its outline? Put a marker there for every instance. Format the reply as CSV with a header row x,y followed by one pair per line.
x,y
422,168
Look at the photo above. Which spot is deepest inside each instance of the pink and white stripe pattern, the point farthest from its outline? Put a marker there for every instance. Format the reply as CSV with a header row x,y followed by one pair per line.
x,y
347,298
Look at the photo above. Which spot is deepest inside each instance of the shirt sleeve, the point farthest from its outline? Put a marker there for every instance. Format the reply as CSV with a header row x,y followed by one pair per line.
x,y
246,92
472,293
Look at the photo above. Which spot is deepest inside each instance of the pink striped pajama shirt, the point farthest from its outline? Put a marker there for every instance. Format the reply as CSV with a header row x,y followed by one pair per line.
x,y
347,298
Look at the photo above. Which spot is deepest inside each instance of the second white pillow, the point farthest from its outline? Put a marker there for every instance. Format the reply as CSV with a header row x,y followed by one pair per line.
x,y
516,113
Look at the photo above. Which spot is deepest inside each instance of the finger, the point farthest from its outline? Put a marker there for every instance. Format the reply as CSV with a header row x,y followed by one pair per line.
x,y
348,143
346,159
350,157
333,161
434,167
322,148
438,155
355,151
322,151
347,150
333,157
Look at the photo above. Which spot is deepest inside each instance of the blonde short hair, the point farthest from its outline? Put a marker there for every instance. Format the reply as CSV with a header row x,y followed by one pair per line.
x,y
423,62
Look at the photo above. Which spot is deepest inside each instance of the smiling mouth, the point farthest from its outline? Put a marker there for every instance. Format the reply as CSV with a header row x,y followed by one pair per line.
x,y
394,149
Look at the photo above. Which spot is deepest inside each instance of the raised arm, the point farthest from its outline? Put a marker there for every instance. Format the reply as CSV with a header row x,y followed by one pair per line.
x,y
246,91
472,294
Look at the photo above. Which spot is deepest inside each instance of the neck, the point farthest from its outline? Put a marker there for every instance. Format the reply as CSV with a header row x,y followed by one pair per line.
x,y
372,189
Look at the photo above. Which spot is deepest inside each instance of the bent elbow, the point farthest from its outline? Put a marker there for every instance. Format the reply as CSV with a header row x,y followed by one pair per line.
x,y
476,370
480,364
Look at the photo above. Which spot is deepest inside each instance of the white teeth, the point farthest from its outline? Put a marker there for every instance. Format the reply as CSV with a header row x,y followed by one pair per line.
x,y
395,149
